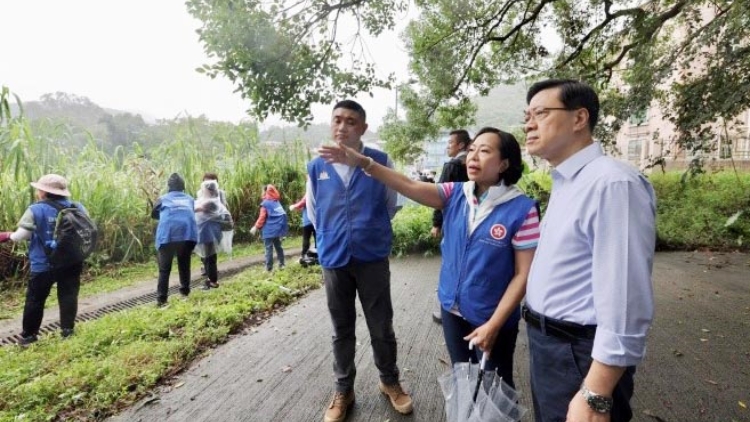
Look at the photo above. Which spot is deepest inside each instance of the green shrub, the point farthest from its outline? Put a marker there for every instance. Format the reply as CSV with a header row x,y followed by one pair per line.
x,y
705,211
411,231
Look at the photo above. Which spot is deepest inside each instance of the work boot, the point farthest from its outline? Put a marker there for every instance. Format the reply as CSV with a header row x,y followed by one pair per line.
x,y
336,411
400,399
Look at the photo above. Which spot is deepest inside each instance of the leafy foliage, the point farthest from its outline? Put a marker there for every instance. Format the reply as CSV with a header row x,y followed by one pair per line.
x,y
411,231
687,56
701,212
130,178
285,56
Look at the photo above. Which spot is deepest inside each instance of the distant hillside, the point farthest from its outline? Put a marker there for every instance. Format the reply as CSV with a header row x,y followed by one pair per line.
x,y
313,136
502,107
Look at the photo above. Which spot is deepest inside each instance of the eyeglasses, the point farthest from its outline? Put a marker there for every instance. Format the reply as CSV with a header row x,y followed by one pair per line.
x,y
541,113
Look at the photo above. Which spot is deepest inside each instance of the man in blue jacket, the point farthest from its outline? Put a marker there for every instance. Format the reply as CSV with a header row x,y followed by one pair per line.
x,y
352,215
176,235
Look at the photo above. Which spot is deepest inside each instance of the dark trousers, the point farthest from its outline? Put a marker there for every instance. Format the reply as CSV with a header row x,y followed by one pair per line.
x,y
212,269
270,244
68,281
372,280
456,328
558,367
167,252
307,232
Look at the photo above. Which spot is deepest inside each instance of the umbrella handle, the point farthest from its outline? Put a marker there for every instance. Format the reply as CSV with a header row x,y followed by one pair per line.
x,y
482,364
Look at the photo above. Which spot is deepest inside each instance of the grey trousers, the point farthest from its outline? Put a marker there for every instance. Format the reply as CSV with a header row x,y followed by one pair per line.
x,y
372,280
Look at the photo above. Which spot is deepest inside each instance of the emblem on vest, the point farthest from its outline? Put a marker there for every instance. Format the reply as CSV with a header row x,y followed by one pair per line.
x,y
323,175
498,232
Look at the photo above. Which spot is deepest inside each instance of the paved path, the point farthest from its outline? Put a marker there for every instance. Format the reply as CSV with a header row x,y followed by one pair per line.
x,y
697,368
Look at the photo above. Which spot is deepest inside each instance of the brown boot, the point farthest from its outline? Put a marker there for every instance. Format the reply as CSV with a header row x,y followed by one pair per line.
x,y
336,411
400,399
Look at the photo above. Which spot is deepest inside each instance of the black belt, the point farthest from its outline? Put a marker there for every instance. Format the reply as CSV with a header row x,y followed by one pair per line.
x,y
558,328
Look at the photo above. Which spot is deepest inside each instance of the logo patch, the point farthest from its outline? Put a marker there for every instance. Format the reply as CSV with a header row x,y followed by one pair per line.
x,y
323,175
498,232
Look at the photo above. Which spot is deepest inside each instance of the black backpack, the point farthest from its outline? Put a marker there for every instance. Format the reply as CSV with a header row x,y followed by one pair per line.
x,y
75,236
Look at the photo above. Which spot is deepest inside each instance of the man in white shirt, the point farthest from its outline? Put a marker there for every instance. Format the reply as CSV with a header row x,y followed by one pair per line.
x,y
589,299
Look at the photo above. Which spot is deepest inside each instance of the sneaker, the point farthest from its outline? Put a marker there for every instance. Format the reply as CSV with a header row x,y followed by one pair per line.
x,y
336,411
400,399
27,340
213,284
162,305
66,332
437,317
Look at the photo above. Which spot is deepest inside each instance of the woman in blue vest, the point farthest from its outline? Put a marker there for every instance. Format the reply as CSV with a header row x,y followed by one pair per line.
x,y
176,236
308,231
37,225
490,232
273,221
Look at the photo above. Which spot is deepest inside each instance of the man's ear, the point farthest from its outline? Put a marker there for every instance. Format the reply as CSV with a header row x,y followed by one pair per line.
x,y
581,119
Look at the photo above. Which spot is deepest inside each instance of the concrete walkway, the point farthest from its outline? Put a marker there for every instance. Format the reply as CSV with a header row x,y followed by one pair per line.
x,y
697,368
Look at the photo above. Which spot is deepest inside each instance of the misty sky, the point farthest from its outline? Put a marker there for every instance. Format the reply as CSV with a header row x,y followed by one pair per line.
x,y
136,55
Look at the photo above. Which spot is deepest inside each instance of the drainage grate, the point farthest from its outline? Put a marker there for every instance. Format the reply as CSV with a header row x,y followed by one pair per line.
x,y
53,327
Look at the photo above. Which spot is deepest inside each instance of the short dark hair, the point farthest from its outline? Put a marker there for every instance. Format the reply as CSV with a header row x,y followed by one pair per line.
x,y
509,150
210,176
462,137
353,106
573,94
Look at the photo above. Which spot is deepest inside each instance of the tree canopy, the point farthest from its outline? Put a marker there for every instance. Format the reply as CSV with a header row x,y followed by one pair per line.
x,y
689,57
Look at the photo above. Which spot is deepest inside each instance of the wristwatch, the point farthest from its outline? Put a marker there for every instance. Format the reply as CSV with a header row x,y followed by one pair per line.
x,y
597,403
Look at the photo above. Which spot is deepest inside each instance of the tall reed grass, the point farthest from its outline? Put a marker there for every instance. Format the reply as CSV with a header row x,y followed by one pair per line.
x,y
119,189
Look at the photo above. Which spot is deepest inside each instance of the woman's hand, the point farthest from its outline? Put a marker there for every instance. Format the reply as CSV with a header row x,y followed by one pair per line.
x,y
484,337
342,154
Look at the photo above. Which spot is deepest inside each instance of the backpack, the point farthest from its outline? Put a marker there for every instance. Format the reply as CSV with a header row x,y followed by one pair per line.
x,y
74,236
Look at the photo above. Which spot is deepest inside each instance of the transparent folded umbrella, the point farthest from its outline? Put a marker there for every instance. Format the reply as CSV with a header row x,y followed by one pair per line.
x,y
475,395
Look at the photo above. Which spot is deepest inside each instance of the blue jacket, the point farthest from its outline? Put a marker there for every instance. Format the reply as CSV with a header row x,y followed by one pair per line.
x,y
351,221
477,269
176,215
45,216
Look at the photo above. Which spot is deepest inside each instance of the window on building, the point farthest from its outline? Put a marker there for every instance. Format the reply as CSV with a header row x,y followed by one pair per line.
x,y
635,147
742,148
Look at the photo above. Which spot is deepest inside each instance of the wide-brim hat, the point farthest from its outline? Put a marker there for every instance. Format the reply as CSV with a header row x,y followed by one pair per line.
x,y
52,183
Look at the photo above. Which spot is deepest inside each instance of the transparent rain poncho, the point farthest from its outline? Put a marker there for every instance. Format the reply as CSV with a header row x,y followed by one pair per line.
x,y
215,226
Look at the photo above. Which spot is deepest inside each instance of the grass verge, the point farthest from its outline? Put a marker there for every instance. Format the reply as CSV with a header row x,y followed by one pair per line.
x,y
113,361
119,276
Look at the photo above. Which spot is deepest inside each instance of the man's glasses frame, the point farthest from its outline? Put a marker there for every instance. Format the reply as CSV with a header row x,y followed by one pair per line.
x,y
540,113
